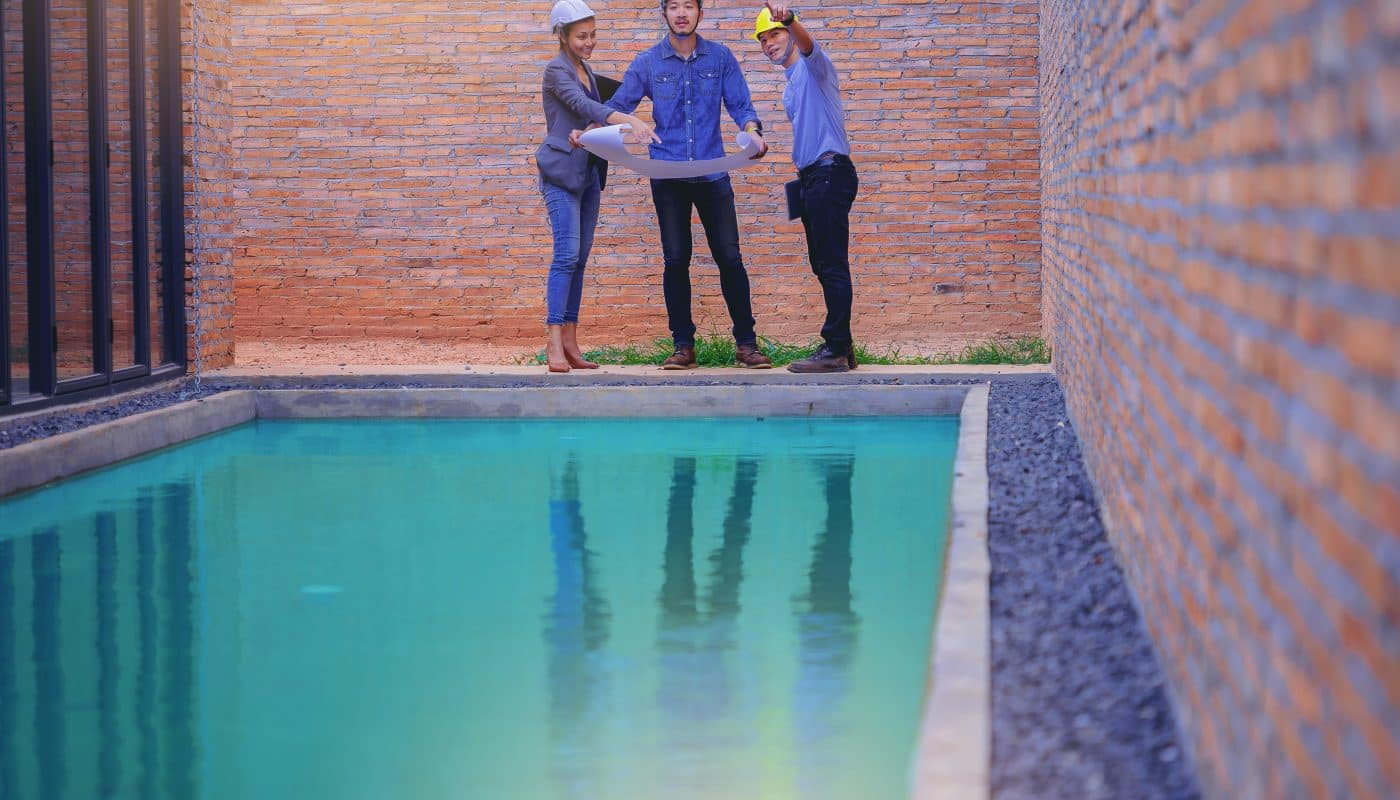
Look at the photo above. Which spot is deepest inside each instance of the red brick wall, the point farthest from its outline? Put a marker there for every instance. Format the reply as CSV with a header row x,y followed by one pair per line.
x,y
380,183
72,206
72,230
1222,291
213,184
15,191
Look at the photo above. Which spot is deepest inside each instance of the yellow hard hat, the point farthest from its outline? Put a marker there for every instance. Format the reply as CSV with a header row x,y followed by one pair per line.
x,y
766,23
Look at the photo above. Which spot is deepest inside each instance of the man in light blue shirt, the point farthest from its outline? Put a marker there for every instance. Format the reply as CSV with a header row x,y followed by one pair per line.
x,y
822,153
688,78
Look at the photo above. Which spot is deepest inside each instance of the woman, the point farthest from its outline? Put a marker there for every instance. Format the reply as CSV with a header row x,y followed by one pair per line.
x,y
571,179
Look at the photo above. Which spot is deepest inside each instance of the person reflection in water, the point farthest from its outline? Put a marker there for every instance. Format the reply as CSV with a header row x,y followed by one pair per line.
x,y
827,628
576,629
695,685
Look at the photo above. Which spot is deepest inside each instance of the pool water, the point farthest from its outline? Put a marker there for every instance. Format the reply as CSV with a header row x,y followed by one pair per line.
x,y
715,608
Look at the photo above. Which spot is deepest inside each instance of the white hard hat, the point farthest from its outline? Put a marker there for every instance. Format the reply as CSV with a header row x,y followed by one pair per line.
x,y
568,11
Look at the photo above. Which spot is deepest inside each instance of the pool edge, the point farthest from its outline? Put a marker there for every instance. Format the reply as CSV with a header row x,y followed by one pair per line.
x,y
34,464
953,754
615,401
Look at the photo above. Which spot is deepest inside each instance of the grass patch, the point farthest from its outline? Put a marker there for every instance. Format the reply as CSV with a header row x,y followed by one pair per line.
x,y
718,351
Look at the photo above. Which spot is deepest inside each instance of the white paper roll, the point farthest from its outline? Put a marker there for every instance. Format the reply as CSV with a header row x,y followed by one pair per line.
x,y
607,143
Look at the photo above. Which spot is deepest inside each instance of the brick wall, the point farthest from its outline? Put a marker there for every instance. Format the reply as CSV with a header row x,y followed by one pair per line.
x,y
72,230
72,206
382,187
1222,292
15,191
213,183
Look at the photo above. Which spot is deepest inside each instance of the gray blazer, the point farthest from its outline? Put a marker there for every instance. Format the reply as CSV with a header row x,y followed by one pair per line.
x,y
566,108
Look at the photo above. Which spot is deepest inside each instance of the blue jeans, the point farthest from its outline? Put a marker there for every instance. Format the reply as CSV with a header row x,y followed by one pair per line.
x,y
572,218
714,200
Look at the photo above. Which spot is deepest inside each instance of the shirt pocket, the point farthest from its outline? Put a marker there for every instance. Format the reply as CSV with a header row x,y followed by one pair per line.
x,y
711,81
664,86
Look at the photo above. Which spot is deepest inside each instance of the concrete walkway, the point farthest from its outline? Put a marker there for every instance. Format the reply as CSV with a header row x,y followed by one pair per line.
x,y
513,375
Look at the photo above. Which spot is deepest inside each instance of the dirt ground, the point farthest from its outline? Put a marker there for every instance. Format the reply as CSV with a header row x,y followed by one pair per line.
x,y
377,352
404,352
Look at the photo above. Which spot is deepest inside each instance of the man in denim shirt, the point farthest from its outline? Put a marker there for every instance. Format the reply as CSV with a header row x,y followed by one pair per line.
x,y
687,77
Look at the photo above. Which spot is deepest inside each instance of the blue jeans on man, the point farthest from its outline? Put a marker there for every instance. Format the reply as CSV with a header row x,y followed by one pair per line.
x,y
714,201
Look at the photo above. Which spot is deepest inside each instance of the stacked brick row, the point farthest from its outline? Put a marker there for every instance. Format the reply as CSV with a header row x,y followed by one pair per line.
x,y
380,182
1221,260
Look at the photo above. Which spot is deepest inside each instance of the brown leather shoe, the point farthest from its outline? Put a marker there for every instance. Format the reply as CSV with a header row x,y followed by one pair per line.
x,y
825,360
683,358
747,355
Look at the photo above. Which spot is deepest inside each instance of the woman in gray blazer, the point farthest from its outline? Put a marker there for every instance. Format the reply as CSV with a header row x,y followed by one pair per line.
x,y
571,178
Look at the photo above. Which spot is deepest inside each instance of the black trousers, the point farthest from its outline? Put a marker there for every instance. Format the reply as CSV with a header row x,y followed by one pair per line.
x,y
714,201
828,191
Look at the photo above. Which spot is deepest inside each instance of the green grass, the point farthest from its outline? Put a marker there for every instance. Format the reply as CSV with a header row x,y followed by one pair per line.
x,y
718,351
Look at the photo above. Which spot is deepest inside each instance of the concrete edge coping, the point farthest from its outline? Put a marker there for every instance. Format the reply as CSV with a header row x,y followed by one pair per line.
x,y
614,401
33,464
953,755
37,463
953,752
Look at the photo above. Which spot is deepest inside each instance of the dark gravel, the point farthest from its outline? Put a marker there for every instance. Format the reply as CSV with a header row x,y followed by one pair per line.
x,y
1079,708
30,427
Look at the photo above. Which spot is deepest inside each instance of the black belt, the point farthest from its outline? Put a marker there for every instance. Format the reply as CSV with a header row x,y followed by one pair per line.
x,y
827,159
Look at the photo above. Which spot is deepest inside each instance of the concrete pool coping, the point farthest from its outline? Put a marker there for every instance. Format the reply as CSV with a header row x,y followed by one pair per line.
x,y
953,750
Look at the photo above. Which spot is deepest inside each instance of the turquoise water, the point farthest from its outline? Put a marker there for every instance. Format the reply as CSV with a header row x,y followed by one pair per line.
x,y
479,609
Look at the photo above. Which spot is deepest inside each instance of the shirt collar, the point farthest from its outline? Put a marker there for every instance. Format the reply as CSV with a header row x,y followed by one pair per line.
x,y
702,47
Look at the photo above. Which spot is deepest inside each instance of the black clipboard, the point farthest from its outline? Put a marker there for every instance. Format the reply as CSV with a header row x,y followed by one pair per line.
x,y
607,87
795,206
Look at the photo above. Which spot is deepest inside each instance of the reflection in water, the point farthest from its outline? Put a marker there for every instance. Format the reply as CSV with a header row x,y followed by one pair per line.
x,y
108,704
48,668
146,615
727,673
9,694
576,628
827,635
695,690
96,650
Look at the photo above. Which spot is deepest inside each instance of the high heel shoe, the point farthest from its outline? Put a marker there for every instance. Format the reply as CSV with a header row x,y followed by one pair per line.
x,y
571,349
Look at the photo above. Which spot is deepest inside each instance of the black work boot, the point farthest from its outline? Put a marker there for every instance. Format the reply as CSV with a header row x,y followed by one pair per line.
x,y
825,360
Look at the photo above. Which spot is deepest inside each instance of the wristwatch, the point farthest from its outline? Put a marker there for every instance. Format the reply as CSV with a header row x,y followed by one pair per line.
x,y
789,19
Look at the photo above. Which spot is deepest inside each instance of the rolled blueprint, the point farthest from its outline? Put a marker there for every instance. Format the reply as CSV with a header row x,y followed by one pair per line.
x,y
607,143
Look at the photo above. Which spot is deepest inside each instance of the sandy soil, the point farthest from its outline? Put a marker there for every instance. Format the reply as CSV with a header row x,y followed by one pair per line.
x,y
392,352
382,352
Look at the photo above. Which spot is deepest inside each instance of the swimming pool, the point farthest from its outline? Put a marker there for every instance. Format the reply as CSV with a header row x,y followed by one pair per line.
x,y
485,608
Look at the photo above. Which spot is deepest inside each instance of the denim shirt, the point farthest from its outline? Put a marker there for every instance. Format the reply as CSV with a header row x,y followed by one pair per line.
x,y
685,98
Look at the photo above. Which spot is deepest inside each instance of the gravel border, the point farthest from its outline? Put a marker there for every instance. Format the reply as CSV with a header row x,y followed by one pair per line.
x,y
1079,704
28,427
